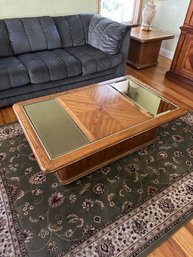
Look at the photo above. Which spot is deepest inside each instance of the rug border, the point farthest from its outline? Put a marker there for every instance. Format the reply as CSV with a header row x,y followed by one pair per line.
x,y
168,234
15,219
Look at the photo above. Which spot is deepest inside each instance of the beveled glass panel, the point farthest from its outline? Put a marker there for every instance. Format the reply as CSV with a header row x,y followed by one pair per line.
x,y
57,131
143,97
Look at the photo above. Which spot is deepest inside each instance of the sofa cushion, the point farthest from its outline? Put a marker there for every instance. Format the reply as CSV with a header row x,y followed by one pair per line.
x,y
32,34
94,60
73,29
105,34
5,47
12,73
50,65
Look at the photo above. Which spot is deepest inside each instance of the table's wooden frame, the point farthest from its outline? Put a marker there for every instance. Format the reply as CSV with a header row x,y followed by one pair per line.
x,y
82,161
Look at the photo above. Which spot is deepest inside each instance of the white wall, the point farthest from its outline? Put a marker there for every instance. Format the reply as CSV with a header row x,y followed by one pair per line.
x,y
27,8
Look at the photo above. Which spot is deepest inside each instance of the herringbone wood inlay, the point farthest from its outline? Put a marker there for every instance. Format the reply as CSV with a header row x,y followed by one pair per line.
x,y
102,111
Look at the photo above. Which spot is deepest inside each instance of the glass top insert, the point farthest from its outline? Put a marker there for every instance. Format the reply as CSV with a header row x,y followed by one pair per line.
x,y
56,130
143,97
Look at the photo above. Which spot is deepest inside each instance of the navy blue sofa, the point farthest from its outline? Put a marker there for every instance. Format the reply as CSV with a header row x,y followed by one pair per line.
x,y
44,55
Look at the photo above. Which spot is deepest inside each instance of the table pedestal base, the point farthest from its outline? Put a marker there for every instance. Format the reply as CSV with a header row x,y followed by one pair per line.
x,y
93,162
143,54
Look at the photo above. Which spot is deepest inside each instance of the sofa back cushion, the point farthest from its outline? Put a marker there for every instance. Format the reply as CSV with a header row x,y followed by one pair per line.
x,y
73,29
32,34
5,47
105,34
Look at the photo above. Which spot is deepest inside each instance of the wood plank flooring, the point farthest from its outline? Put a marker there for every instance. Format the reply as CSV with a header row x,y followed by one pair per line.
x,y
181,243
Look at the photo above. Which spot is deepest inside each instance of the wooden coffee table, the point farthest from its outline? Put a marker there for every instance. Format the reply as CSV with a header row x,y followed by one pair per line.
x,y
76,132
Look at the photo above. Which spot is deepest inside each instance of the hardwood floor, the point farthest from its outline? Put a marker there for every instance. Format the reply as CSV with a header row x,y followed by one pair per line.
x,y
7,115
181,243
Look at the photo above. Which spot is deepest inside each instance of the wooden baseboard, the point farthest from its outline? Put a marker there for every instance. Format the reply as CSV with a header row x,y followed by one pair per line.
x,y
166,53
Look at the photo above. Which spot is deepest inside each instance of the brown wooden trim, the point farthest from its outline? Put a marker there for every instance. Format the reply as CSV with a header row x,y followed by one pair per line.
x,y
99,6
187,29
179,80
178,50
90,136
137,11
189,14
181,67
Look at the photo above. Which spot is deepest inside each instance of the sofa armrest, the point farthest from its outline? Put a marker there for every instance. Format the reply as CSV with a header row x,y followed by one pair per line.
x,y
107,35
120,71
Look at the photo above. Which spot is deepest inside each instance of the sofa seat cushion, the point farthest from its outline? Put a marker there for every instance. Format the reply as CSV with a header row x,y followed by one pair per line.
x,y
50,65
12,73
93,59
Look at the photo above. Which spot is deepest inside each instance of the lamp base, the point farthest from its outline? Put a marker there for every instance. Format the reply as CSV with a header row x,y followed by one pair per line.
x,y
148,14
145,28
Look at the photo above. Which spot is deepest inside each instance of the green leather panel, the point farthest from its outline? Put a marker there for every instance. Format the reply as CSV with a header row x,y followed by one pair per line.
x,y
58,133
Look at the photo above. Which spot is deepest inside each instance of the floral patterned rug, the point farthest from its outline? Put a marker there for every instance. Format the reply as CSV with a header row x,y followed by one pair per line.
x,y
123,209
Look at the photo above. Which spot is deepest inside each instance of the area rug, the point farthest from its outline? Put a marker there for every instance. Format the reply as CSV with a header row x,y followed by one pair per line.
x,y
124,209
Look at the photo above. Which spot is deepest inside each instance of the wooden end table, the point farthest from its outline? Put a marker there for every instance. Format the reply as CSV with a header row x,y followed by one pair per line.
x,y
145,46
